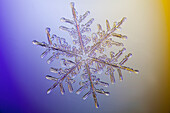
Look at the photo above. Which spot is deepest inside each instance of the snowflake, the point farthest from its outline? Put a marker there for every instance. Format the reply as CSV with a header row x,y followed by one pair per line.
x,y
86,58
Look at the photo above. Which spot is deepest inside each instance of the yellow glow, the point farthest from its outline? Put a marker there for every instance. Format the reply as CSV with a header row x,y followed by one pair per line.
x,y
166,6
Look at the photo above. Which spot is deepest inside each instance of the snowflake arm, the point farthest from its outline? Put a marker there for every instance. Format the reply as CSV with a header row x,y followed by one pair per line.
x,y
77,32
105,36
77,26
59,48
92,86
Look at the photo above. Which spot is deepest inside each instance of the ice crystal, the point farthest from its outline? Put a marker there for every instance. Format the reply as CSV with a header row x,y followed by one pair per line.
x,y
88,53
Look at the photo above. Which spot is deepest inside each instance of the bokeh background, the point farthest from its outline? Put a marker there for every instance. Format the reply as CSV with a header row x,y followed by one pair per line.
x,y
22,72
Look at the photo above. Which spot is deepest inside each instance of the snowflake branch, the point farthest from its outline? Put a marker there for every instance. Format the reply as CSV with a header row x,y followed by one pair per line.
x,y
53,48
115,65
95,46
59,81
92,86
77,27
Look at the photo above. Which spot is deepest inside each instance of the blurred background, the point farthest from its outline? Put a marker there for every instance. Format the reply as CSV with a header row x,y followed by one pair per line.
x,y
22,72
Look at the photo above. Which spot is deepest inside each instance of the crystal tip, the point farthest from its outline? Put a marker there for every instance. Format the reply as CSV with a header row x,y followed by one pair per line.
x,y
107,93
124,49
124,18
129,55
47,76
35,42
47,29
97,105
48,91
62,19
72,4
124,37
136,71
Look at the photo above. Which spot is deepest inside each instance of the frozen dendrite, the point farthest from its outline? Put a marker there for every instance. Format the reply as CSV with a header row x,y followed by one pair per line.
x,y
88,54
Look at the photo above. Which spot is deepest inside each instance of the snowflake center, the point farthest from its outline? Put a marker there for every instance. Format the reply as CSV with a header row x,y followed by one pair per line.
x,y
85,56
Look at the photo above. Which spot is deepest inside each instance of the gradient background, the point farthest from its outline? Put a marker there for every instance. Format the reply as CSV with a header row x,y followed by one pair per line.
x,y
22,72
